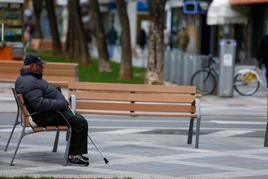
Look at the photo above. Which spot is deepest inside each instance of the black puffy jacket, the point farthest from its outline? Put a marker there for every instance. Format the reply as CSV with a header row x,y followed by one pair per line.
x,y
38,94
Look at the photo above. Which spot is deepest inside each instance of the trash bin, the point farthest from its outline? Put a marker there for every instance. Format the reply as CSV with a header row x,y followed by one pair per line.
x,y
227,59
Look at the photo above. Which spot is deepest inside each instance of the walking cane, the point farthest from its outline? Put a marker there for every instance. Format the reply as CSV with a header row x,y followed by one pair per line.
x,y
104,158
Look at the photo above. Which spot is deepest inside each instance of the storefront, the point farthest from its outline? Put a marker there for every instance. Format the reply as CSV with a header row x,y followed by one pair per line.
x,y
11,21
189,15
257,25
231,23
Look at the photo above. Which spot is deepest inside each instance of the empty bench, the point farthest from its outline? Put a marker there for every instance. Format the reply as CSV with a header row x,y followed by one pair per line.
x,y
137,100
56,73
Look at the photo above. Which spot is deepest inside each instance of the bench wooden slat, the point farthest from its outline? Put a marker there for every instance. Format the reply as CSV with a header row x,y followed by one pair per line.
x,y
134,107
134,114
50,128
38,129
66,72
47,65
8,80
51,69
61,83
9,76
132,87
117,96
62,127
11,68
57,73
54,80
59,78
60,72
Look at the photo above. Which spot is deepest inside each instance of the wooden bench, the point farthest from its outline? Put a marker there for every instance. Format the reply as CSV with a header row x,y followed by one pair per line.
x,y
25,120
56,73
137,100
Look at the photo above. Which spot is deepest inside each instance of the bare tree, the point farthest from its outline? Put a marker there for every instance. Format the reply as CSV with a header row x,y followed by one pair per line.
x,y
126,53
104,65
154,73
37,9
56,42
76,43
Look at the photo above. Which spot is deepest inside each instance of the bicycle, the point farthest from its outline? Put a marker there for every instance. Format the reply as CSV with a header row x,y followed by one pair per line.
x,y
246,81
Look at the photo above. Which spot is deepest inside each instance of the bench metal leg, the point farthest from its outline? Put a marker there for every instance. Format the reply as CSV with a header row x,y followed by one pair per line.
x,y
190,132
198,121
15,153
266,136
13,129
11,134
55,147
67,147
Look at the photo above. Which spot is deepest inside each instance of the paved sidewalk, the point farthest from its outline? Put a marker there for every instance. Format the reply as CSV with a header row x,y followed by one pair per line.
x,y
231,144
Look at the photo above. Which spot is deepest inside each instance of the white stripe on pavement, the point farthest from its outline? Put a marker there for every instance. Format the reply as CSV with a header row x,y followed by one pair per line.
x,y
238,122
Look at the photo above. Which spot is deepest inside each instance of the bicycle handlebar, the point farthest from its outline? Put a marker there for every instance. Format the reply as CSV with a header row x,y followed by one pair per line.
x,y
211,59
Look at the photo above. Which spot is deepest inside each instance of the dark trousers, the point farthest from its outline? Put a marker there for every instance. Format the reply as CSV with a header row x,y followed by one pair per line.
x,y
79,127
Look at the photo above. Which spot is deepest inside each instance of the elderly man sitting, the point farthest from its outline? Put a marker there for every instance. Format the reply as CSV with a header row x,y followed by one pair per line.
x,y
41,96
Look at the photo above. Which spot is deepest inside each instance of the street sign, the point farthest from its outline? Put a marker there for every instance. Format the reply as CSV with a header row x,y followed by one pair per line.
x,y
195,7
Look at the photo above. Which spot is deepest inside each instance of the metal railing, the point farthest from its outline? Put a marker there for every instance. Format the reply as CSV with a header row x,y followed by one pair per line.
x,y
179,67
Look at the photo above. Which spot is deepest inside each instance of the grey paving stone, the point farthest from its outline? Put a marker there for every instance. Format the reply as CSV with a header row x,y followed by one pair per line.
x,y
254,177
143,151
66,172
176,132
233,161
255,134
165,169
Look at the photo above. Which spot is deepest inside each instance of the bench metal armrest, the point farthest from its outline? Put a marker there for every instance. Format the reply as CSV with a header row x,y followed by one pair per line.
x,y
198,108
73,103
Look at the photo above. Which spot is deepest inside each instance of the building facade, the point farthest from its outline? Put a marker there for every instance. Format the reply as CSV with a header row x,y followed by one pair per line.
x,y
257,26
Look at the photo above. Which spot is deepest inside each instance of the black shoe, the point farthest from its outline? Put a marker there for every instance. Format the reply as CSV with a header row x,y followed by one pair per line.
x,y
78,161
84,157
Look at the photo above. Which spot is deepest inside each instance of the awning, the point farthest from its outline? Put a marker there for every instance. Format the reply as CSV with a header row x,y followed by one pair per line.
x,y
241,2
220,12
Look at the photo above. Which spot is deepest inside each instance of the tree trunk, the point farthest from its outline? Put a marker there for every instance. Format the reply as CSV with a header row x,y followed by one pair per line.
x,y
76,43
104,65
126,53
56,42
37,8
154,73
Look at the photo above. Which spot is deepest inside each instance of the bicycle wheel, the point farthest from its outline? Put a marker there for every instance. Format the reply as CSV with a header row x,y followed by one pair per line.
x,y
245,88
205,81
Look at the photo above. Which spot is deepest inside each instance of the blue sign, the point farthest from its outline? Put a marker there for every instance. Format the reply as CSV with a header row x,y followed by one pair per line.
x,y
142,6
195,7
